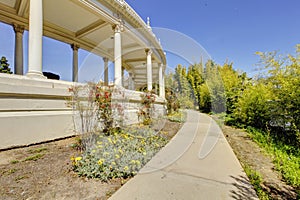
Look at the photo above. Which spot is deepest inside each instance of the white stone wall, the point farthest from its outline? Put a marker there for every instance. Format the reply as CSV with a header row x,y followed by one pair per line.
x,y
35,110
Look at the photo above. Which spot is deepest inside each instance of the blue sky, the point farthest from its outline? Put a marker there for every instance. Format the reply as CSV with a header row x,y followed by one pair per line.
x,y
230,30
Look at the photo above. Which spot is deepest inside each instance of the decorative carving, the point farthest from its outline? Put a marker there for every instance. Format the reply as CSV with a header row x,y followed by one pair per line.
x,y
118,28
148,52
75,47
18,28
105,59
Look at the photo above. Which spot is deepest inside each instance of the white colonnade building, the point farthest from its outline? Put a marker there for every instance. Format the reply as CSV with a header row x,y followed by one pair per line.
x,y
33,107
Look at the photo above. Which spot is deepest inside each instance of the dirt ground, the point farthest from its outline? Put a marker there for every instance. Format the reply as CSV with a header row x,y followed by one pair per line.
x,y
250,153
44,171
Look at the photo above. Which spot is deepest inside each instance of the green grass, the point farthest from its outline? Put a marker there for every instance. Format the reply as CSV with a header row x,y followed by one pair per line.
x,y
34,157
38,150
11,171
256,180
14,161
286,158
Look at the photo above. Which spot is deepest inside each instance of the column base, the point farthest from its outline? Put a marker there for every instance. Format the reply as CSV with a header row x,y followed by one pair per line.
x,y
34,74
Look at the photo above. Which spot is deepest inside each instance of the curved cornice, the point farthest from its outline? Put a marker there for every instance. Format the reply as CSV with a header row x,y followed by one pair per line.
x,y
122,8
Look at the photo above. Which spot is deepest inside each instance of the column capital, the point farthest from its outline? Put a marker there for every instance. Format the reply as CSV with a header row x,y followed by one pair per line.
x,y
18,28
75,47
105,59
118,28
148,52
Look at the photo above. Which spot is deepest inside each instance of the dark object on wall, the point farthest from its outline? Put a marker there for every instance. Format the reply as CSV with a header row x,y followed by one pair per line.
x,y
4,66
51,75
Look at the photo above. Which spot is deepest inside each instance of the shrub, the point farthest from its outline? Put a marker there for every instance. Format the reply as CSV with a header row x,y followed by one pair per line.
x,y
146,110
120,154
4,66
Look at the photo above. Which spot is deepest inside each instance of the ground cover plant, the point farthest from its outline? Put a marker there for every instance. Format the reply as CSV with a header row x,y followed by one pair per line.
x,y
119,155
110,149
285,157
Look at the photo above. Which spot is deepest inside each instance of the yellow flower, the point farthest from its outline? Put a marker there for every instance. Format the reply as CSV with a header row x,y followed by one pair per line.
x,y
137,162
117,156
113,163
110,141
101,161
126,168
132,161
78,158
125,136
144,153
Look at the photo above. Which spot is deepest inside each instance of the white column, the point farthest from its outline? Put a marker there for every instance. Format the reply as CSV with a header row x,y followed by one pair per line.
x,y
19,30
161,81
118,55
75,48
35,39
149,69
105,71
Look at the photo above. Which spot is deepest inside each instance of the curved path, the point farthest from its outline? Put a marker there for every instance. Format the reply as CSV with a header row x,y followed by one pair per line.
x,y
197,163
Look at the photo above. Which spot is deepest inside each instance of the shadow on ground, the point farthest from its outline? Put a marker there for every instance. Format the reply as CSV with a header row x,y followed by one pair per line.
x,y
243,189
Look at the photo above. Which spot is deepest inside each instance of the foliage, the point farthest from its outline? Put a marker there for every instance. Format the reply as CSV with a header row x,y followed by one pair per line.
x,y
4,66
146,110
270,102
215,85
170,94
256,181
34,157
285,157
179,116
172,101
252,107
195,78
234,84
284,76
120,154
95,112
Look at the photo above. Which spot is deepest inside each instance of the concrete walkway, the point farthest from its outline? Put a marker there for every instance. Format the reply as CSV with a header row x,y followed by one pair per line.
x,y
197,163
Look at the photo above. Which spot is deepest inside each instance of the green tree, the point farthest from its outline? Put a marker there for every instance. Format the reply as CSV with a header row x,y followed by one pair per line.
x,y
195,79
234,83
252,108
215,85
4,66
183,89
283,73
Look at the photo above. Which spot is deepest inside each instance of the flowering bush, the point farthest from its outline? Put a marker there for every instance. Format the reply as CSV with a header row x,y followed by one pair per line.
x,y
119,154
105,115
147,108
95,111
